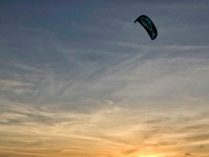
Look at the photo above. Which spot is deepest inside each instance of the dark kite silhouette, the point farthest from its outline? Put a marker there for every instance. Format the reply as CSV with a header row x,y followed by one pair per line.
x,y
147,23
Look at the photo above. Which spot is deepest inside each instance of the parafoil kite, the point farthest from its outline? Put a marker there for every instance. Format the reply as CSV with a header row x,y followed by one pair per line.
x,y
149,26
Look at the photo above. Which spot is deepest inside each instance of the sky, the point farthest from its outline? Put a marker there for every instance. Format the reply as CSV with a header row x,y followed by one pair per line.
x,y
80,78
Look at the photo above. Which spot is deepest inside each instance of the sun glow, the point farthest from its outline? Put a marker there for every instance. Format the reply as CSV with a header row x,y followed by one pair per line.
x,y
148,156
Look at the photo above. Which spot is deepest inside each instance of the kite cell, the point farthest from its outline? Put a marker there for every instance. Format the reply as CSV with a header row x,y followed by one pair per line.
x,y
149,26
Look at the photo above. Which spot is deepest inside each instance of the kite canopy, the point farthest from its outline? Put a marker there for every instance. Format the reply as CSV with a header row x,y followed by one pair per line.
x,y
149,26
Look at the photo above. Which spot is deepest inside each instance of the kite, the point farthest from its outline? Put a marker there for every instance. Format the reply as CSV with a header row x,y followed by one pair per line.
x,y
148,25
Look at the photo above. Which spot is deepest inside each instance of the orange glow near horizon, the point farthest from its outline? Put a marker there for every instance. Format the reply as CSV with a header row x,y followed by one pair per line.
x,y
115,132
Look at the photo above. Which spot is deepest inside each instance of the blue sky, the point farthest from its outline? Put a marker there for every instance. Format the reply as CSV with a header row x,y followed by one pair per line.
x,y
70,66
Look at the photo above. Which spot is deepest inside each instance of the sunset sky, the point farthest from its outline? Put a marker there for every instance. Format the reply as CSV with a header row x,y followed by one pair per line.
x,y
81,79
